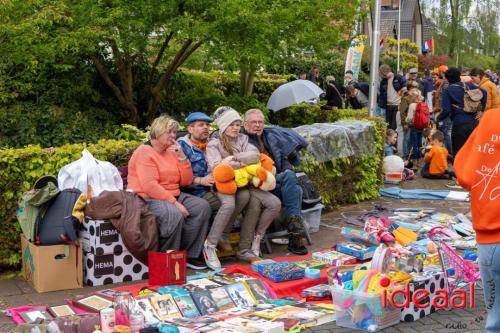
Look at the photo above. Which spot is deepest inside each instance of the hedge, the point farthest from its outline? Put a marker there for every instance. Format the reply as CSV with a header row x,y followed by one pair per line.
x,y
346,180
20,168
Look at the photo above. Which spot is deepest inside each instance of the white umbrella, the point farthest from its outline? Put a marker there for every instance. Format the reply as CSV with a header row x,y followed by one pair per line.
x,y
291,93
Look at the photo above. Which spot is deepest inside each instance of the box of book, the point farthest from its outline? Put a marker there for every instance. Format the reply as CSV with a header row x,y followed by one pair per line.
x,y
334,258
357,250
282,271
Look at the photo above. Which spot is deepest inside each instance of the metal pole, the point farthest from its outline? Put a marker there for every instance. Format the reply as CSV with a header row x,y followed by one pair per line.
x,y
375,60
399,34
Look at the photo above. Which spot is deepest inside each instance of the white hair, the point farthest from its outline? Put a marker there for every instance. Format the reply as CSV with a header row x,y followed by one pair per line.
x,y
251,112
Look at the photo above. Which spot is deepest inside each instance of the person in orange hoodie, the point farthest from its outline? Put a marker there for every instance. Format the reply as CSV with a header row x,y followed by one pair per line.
x,y
477,167
481,79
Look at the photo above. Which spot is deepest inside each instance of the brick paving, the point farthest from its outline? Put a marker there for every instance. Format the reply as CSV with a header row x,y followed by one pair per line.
x,y
14,291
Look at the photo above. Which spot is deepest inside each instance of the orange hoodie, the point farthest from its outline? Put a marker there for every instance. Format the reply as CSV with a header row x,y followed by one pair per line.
x,y
477,166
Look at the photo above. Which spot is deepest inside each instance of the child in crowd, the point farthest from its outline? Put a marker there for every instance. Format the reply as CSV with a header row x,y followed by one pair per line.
x,y
391,137
415,134
436,160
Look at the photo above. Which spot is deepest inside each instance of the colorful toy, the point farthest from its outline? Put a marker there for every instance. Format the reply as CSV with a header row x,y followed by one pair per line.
x,y
260,174
382,259
378,228
463,270
403,235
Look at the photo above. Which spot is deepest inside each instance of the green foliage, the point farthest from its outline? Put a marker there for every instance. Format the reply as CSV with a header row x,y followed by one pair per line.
x,y
20,168
471,60
343,180
408,54
25,124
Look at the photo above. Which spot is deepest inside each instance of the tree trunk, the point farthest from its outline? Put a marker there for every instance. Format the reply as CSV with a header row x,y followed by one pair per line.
x,y
454,28
247,79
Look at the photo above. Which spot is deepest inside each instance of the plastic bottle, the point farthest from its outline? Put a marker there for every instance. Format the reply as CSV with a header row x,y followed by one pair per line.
x,y
107,320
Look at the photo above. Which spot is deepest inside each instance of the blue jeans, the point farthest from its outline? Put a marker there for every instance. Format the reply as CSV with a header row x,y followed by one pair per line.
x,y
446,129
415,142
489,264
406,141
289,192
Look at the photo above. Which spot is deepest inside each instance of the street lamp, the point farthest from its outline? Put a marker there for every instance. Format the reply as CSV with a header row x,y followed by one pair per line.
x,y
375,60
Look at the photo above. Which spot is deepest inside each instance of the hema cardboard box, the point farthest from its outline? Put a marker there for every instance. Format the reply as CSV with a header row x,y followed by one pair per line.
x,y
51,268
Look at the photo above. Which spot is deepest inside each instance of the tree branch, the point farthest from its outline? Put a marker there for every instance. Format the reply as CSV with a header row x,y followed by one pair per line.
x,y
161,52
107,79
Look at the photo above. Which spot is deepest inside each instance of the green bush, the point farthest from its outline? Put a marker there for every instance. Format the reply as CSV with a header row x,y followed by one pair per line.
x,y
343,180
20,168
25,124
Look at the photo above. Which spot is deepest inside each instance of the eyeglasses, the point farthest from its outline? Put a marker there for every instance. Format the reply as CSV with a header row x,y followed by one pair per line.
x,y
256,122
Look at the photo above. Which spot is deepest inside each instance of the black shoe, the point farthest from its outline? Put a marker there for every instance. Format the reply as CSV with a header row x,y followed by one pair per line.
x,y
196,264
295,224
295,245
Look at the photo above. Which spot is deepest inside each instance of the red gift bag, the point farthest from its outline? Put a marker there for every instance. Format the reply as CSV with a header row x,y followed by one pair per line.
x,y
167,268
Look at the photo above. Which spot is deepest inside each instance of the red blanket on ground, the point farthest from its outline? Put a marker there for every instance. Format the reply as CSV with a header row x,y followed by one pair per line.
x,y
281,289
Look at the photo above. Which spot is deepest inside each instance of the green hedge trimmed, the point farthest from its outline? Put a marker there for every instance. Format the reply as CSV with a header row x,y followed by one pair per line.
x,y
20,168
344,180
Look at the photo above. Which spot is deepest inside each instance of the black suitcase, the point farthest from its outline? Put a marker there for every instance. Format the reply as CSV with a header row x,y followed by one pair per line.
x,y
58,226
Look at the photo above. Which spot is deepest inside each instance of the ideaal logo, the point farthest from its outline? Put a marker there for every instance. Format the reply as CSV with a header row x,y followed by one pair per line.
x,y
442,298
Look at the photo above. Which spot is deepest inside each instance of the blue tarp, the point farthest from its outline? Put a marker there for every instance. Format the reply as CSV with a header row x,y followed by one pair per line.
x,y
423,194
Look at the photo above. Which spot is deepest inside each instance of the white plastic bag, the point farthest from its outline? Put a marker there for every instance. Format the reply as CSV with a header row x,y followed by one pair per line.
x,y
89,174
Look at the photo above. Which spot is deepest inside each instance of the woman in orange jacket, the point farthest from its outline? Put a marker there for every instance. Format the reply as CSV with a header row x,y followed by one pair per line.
x,y
493,98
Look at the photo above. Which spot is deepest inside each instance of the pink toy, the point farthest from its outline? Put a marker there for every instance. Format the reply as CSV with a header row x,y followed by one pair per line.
x,y
465,272
378,228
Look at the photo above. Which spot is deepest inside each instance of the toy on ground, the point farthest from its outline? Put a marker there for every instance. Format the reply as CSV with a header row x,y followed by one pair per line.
x,y
457,270
379,228
260,175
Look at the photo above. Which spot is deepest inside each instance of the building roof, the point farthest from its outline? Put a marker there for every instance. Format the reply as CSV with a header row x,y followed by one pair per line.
x,y
389,20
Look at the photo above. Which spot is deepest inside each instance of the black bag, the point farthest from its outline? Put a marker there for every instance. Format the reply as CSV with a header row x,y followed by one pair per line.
x,y
58,226
310,197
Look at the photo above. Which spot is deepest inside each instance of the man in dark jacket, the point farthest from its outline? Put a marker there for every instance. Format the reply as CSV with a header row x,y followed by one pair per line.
x,y
463,123
334,93
388,98
282,145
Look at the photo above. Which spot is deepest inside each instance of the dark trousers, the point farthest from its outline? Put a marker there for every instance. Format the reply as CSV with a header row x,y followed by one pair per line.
x,y
415,142
459,135
425,173
390,116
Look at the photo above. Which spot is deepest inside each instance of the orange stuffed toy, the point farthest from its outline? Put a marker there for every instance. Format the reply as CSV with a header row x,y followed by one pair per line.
x,y
261,175
224,179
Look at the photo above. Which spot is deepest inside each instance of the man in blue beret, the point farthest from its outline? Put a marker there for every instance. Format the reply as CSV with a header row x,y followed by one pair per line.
x,y
194,145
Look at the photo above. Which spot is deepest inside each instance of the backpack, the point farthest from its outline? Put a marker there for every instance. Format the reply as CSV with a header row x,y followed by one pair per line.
x,y
32,205
421,117
310,197
58,225
472,100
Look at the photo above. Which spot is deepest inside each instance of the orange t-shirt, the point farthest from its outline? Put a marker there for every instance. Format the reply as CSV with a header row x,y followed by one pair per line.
x,y
438,159
157,175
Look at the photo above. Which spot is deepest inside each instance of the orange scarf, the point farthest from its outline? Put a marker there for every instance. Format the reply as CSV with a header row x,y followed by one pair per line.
x,y
201,145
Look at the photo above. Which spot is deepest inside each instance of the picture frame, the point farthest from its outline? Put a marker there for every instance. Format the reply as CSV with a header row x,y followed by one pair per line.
x,y
35,316
61,311
94,303
106,293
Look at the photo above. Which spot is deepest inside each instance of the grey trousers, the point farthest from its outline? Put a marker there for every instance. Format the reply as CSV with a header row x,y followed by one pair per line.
x,y
262,209
177,233
230,206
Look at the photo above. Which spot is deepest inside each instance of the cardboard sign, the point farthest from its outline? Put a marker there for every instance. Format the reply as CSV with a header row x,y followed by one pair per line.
x,y
167,268
51,268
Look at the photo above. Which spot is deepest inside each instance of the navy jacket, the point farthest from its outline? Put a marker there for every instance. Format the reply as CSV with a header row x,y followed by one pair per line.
x,y
283,144
398,83
453,104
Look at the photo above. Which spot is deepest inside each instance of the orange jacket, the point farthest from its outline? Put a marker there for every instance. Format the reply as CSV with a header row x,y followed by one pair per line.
x,y
156,175
477,166
493,98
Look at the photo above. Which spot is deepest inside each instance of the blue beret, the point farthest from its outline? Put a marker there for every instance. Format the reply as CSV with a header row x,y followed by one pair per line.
x,y
198,116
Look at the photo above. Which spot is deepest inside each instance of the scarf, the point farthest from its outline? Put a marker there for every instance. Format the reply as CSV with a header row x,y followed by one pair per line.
x,y
201,145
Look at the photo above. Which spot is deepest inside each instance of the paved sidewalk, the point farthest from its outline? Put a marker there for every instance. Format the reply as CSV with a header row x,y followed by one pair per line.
x,y
14,291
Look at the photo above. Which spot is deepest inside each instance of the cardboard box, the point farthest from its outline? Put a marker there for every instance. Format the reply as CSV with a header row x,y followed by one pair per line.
x,y
167,268
51,268
100,236
357,250
101,269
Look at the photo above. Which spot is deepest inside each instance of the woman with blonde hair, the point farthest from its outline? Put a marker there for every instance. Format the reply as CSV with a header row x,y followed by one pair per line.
x,y
156,172
415,96
232,147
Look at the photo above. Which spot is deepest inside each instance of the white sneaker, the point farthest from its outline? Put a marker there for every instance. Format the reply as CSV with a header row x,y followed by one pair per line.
x,y
210,256
256,244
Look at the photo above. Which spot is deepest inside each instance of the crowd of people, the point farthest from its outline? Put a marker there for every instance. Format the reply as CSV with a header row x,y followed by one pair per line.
x,y
176,177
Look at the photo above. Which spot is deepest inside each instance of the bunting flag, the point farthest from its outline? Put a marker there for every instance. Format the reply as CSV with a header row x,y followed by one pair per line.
x,y
427,46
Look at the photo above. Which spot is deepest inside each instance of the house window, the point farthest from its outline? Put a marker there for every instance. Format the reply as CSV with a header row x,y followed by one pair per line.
x,y
390,4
